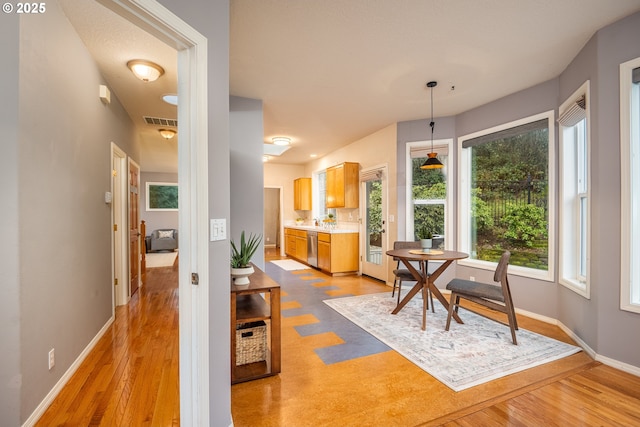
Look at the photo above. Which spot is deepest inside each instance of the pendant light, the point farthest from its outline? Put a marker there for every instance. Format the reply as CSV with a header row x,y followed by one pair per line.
x,y
432,161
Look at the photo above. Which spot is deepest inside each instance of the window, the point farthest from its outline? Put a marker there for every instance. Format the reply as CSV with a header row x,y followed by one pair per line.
x,y
630,184
574,192
506,196
320,210
427,193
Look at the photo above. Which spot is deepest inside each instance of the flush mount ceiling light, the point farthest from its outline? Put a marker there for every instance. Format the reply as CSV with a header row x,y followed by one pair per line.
x,y
167,133
281,140
432,161
146,71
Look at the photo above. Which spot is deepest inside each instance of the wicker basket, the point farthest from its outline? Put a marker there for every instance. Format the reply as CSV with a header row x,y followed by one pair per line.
x,y
251,342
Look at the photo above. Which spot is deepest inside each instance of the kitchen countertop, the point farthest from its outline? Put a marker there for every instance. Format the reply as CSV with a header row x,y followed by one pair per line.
x,y
321,229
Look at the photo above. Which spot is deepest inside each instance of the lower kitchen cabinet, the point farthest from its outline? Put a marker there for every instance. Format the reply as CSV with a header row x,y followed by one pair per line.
x,y
338,252
295,243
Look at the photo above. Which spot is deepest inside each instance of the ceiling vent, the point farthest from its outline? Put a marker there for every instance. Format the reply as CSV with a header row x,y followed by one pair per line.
x,y
159,121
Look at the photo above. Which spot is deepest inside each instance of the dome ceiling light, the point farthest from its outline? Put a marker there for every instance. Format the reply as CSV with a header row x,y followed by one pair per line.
x,y
146,71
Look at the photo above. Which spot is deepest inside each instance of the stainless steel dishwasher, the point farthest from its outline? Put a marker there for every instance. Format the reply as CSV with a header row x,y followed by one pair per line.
x,y
312,248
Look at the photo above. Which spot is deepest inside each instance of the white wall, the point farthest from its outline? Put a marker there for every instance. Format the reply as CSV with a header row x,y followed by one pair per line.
x,y
376,149
282,175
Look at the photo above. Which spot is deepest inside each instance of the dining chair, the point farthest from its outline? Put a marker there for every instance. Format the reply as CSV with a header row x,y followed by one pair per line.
x,y
495,297
403,274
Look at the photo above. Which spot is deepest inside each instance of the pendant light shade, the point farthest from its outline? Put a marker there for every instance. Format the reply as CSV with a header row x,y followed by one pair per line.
x,y
432,161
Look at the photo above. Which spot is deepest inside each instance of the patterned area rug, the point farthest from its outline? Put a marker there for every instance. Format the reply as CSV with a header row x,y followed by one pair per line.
x,y
475,352
290,265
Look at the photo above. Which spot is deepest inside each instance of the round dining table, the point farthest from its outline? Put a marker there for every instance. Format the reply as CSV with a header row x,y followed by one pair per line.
x,y
425,281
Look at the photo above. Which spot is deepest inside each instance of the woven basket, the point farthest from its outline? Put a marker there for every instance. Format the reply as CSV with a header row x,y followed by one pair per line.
x,y
251,342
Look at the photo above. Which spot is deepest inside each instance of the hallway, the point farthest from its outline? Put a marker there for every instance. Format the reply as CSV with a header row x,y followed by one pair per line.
x,y
130,378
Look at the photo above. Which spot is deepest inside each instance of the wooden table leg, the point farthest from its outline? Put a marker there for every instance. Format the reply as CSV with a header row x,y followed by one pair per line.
x,y
434,289
416,288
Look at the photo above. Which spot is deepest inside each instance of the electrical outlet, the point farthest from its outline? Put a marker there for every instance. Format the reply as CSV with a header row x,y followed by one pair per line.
x,y
472,278
52,358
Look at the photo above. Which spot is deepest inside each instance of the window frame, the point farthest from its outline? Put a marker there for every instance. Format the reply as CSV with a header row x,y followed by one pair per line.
x,y
464,200
629,134
575,161
448,201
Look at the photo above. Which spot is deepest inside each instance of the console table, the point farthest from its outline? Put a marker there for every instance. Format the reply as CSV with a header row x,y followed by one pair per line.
x,y
259,301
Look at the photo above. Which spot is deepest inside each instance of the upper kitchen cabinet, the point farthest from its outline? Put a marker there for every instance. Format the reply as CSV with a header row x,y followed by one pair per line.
x,y
343,186
302,194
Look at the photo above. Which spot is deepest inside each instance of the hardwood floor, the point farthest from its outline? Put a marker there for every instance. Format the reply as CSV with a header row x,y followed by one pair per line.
x,y
131,376
131,379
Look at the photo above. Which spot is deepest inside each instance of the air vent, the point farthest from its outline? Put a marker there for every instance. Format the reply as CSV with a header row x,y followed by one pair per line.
x,y
159,121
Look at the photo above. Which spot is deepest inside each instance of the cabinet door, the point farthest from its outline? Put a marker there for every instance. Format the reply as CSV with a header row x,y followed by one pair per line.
x,y
301,248
343,186
324,256
302,194
290,245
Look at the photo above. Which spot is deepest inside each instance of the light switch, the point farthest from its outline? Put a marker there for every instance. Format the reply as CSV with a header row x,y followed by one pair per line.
x,y
392,218
218,229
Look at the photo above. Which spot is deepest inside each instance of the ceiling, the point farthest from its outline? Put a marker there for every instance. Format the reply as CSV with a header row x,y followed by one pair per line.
x,y
331,72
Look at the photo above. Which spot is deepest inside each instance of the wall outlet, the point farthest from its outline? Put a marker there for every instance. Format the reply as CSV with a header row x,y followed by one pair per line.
x,y
52,358
472,278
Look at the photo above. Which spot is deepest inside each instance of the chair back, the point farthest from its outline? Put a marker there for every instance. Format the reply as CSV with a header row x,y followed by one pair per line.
x,y
501,270
401,244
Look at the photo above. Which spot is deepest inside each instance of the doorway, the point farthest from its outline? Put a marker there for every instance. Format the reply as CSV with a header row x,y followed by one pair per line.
x,y
374,241
273,222
119,225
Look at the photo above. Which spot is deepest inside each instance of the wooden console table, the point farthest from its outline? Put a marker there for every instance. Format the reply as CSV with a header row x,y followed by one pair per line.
x,y
260,301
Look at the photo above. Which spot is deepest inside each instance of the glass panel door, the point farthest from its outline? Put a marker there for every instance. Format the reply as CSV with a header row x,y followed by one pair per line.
x,y
374,260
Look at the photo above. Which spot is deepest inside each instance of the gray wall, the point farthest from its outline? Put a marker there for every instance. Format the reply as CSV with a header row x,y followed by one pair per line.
x,y
156,219
9,259
64,155
247,176
598,321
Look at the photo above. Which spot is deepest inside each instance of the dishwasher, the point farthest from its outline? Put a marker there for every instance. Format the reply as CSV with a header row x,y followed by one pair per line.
x,y
312,248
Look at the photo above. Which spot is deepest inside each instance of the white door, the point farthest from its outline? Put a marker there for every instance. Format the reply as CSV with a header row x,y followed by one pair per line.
x,y
373,235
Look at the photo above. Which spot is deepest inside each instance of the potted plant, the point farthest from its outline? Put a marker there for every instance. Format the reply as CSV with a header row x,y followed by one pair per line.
x,y
241,267
425,235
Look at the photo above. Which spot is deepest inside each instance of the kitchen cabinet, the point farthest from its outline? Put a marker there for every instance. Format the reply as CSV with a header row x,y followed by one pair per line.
x,y
257,304
302,194
343,185
295,243
338,253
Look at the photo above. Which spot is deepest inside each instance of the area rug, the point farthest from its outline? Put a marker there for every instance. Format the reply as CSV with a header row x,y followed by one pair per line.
x,y
469,354
290,265
160,259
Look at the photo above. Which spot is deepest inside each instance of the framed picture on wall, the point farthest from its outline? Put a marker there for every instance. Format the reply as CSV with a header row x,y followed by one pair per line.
x,y
162,196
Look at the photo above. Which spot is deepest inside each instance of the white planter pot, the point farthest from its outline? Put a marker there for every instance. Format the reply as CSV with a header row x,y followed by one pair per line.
x,y
241,275
426,244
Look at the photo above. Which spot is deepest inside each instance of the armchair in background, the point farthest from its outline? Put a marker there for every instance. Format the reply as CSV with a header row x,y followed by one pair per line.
x,y
162,240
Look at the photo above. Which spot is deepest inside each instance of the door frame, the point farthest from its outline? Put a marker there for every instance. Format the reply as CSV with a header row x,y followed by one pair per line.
x,y
385,210
131,162
193,190
119,218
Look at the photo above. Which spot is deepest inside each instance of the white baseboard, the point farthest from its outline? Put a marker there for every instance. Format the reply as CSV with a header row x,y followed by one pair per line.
x,y
42,407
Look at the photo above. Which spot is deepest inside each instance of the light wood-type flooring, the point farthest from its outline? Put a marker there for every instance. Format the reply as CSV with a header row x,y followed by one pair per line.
x,y
131,379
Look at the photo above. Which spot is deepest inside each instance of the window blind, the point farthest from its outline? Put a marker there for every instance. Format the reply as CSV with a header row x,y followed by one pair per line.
x,y
635,75
507,133
370,175
576,112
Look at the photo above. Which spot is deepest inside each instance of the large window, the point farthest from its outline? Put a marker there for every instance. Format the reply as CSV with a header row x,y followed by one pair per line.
x,y
506,196
427,194
320,210
630,184
574,191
